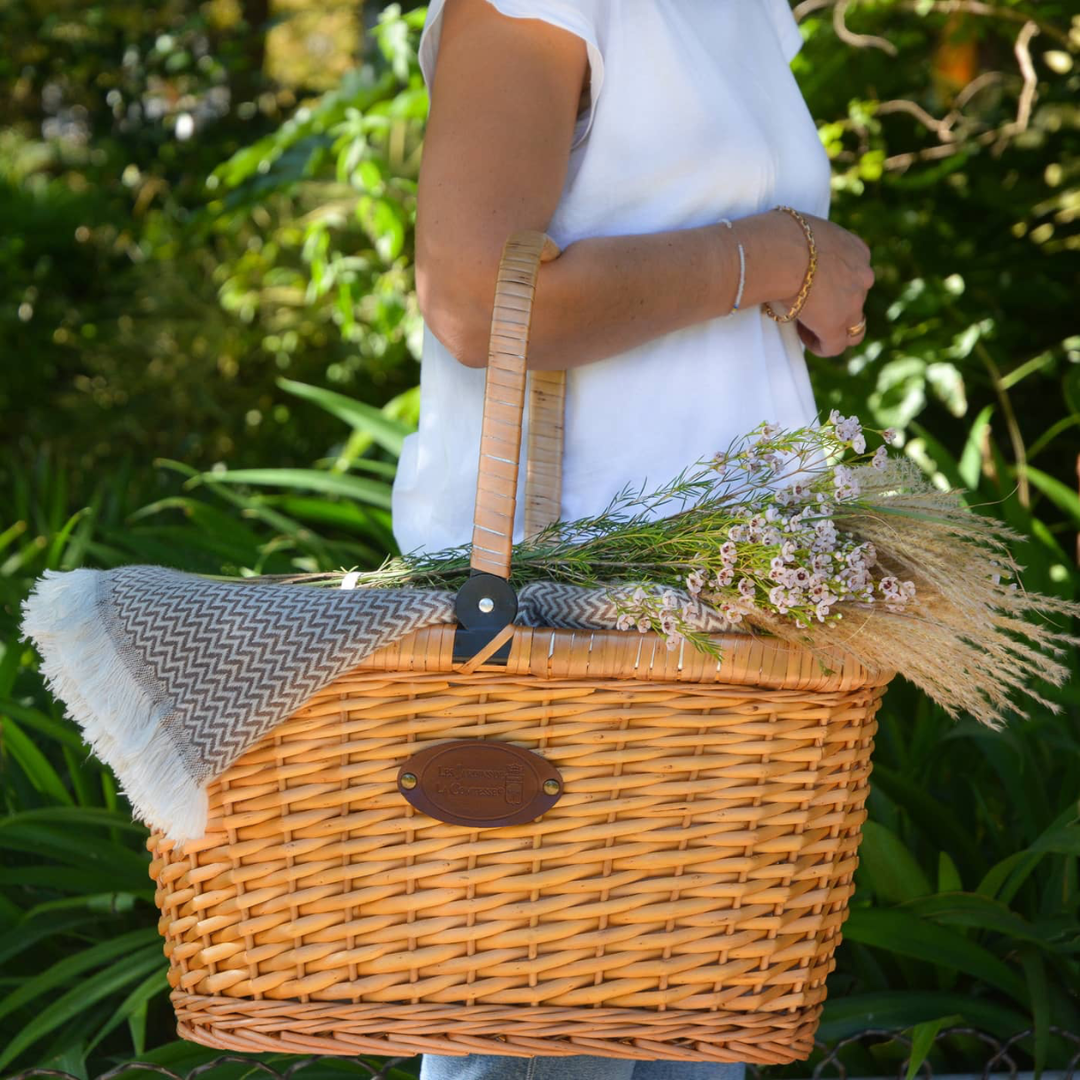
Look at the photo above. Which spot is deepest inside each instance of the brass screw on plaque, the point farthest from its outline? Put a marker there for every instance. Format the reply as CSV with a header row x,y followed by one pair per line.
x,y
551,787
408,780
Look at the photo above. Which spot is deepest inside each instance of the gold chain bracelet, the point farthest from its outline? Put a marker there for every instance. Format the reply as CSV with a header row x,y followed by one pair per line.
x,y
801,298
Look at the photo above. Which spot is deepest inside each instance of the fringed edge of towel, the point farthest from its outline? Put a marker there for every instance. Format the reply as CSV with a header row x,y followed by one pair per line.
x,y
118,719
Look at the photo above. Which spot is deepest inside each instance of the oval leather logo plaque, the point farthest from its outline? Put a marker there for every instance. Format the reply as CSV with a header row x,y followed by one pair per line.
x,y
480,783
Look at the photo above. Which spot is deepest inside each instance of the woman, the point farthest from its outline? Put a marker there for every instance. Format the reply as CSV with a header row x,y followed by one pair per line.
x,y
627,130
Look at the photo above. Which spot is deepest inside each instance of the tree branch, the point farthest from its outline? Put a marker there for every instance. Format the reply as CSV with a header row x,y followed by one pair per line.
x,y
1027,94
946,7
978,7
859,41
999,137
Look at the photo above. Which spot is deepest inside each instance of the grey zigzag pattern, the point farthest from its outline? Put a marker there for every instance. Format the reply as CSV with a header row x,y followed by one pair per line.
x,y
577,607
223,662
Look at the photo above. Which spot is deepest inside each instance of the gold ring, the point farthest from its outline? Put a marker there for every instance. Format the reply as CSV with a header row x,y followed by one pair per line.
x,y
858,328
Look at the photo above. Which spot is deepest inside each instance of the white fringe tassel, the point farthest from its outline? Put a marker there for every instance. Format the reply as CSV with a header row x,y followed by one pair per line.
x,y
83,669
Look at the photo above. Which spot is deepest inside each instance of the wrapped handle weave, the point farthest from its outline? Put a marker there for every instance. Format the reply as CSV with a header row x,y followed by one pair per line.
x,y
504,402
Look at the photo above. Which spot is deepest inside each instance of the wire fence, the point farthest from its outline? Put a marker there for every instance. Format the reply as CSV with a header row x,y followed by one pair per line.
x,y
999,1061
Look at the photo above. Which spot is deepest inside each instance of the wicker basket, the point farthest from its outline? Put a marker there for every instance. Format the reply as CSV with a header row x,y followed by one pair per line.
x,y
681,900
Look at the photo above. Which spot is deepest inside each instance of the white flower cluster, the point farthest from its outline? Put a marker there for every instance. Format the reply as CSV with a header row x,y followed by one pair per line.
x,y
644,614
896,593
847,487
849,430
781,552
795,563
699,583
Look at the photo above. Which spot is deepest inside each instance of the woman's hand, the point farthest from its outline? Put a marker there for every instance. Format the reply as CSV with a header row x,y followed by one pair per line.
x,y
842,279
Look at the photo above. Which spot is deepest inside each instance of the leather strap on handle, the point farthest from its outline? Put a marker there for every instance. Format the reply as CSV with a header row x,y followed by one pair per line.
x,y
504,401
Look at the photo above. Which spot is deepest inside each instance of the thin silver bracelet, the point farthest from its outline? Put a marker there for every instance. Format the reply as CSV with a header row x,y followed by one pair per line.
x,y
742,272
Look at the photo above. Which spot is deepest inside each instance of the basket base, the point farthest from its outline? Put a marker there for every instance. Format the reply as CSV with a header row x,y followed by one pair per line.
x,y
387,1030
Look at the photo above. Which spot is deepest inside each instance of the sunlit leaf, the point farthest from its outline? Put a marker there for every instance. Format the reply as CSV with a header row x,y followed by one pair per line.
x,y
351,487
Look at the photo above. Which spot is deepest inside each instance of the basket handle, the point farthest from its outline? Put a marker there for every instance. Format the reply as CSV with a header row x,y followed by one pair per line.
x,y
504,402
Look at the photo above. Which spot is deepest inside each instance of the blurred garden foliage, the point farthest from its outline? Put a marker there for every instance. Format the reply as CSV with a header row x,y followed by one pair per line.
x,y
208,358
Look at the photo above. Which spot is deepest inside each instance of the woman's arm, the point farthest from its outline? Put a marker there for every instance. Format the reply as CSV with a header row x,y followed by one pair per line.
x,y
504,107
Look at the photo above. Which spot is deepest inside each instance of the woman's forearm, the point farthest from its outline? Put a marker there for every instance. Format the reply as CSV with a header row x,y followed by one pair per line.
x,y
605,295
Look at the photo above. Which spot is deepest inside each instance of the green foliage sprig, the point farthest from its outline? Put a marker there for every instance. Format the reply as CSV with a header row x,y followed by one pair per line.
x,y
786,532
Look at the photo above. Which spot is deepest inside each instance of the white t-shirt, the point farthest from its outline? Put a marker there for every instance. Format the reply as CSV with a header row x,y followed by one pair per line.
x,y
694,116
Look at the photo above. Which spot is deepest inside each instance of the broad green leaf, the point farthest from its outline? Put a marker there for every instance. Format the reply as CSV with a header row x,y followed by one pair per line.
x,y
11,534
65,970
180,1056
206,517
897,1009
79,776
1013,869
11,660
387,431
922,1041
34,764
27,933
157,982
982,913
109,903
1029,367
970,467
71,1060
947,382
1063,840
921,939
889,866
948,876
78,848
405,407
934,818
1051,433
137,1028
1064,498
1004,879
343,515
82,996
56,548
1035,972
350,459
62,730
68,879
350,487
81,816
944,461
185,540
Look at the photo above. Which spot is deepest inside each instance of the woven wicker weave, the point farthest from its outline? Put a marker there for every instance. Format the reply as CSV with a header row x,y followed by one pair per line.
x,y
683,899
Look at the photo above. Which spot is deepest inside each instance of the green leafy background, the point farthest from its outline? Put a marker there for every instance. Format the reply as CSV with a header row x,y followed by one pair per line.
x,y
208,359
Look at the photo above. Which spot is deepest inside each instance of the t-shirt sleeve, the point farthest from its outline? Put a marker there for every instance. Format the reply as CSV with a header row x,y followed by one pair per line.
x,y
576,17
786,27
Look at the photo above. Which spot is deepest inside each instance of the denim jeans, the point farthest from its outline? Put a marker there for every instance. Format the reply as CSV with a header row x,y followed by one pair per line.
x,y
494,1067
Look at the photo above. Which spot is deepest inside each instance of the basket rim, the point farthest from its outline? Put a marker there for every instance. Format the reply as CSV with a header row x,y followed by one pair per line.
x,y
608,655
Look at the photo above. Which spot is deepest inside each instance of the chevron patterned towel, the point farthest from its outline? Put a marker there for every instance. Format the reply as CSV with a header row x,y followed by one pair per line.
x,y
172,676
